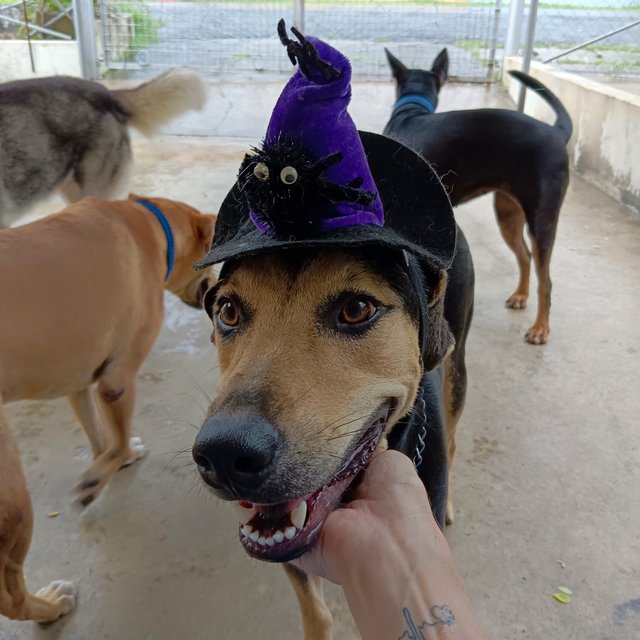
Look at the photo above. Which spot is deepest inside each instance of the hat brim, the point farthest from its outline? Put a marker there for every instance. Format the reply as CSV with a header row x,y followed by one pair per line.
x,y
418,214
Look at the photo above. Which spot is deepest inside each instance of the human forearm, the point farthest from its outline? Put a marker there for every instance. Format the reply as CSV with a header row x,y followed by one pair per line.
x,y
420,598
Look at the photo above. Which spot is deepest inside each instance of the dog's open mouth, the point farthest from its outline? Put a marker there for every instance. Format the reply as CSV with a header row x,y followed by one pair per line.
x,y
283,531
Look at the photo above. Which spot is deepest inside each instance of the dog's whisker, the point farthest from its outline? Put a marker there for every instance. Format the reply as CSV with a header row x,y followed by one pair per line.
x,y
194,398
331,424
176,455
346,424
189,424
199,387
346,434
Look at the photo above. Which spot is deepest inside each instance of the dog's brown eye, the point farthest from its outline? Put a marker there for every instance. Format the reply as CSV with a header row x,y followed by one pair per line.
x,y
357,311
229,314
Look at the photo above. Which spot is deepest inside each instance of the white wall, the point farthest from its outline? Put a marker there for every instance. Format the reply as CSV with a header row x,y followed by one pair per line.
x,y
51,58
605,146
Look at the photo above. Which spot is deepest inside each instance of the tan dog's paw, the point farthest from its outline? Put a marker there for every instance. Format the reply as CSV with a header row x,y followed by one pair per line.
x,y
516,301
61,593
138,451
87,490
537,335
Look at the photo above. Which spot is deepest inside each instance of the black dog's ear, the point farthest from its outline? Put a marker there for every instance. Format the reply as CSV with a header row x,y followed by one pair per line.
x,y
440,67
439,341
398,70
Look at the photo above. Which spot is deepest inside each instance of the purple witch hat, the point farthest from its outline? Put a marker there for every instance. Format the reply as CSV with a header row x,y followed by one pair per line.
x,y
317,181
311,173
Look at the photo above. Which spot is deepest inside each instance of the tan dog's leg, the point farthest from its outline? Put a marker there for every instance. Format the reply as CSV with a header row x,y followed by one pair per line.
x,y
16,527
116,393
511,221
455,384
84,406
316,617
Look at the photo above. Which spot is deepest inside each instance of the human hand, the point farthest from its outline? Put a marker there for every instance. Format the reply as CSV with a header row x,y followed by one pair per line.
x,y
389,509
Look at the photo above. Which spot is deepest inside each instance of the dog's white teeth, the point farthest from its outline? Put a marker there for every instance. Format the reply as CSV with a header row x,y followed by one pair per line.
x,y
262,540
278,536
254,535
246,530
269,542
290,533
299,515
244,514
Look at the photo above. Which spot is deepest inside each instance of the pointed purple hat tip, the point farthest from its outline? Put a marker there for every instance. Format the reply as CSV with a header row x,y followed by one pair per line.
x,y
311,173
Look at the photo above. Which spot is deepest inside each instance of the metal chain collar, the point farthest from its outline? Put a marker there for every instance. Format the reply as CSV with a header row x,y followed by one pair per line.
x,y
422,436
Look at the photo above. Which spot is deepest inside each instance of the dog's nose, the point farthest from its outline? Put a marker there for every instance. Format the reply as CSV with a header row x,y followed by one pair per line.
x,y
236,452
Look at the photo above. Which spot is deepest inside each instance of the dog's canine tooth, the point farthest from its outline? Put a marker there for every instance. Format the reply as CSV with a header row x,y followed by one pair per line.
x,y
290,533
299,515
254,535
246,530
278,536
245,514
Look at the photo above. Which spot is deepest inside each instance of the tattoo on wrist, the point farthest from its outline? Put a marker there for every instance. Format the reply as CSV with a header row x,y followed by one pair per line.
x,y
440,614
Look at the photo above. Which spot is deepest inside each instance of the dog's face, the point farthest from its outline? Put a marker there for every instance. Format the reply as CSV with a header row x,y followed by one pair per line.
x,y
319,357
422,82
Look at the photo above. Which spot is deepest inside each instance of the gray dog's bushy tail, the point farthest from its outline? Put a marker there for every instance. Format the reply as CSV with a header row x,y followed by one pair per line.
x,y
563,119
156,102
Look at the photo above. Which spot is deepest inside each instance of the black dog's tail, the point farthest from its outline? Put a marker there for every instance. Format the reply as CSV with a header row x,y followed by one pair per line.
x,y
563,120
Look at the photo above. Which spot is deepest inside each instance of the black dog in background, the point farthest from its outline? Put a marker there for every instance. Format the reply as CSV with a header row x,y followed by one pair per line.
x,y
522,160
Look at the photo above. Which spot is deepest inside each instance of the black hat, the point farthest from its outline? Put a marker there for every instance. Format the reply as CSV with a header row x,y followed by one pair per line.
x,y
302,188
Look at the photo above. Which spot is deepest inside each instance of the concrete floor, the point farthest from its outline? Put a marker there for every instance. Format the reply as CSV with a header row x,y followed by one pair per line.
x,y
546,479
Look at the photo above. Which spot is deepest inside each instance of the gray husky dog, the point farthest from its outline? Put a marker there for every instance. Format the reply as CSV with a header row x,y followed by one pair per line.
x,y
72,135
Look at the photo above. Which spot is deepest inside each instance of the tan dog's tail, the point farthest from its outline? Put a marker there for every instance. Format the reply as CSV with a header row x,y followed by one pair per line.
x,y
156,102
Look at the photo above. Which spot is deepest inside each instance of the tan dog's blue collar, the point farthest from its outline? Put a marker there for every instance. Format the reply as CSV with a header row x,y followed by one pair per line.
x,y
166,227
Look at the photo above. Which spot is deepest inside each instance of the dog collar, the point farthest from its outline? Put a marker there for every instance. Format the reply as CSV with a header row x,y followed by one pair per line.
x,y
166,227
414,98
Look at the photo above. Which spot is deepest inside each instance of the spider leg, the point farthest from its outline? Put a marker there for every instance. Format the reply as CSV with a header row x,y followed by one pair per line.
x,y
304,53
324,163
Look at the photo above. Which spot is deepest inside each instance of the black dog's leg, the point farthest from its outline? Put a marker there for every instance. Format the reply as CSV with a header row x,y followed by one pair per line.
x,y
511,220
542,219
433,470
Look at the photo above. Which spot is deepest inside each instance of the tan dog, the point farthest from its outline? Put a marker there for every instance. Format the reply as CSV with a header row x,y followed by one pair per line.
x,y
81,297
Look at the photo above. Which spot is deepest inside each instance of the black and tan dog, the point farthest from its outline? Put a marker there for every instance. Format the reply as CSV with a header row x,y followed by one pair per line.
x,y
331,342
478,151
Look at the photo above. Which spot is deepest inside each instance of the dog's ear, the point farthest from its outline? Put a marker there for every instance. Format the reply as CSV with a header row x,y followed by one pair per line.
x,y
398,70
440,67
204,230
439,341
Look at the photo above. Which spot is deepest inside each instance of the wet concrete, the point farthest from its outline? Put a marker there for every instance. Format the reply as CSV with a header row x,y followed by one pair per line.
x,y
549,449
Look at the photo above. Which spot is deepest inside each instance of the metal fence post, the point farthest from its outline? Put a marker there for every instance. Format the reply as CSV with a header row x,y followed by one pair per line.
x,y
512,41
528,48
85,27
298,15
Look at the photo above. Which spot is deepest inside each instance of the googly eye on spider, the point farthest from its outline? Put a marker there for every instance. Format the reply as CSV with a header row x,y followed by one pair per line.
x,y
289,175
261,171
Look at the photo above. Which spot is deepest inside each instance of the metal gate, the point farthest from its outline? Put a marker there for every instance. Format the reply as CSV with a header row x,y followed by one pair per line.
x,y
235,38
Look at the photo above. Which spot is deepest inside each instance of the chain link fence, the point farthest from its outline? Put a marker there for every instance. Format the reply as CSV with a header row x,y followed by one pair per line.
x,y
238,38
610,29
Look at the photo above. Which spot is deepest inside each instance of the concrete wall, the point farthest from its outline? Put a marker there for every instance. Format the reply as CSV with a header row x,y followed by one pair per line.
x,y
50,58
605,146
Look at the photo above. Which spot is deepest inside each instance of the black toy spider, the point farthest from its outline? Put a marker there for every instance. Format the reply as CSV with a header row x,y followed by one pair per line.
x,y
283,186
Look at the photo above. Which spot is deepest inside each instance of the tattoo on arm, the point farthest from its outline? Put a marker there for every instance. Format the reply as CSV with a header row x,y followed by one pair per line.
x,y
441,615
